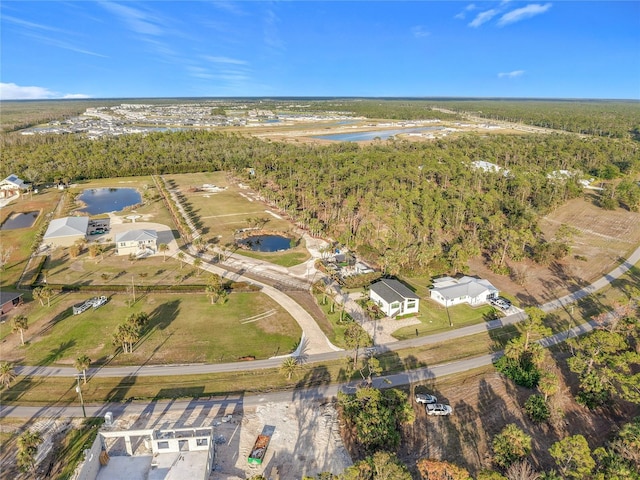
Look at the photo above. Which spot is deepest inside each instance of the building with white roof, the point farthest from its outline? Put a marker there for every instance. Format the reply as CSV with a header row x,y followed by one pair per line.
x,y
64,232
137,242
450,291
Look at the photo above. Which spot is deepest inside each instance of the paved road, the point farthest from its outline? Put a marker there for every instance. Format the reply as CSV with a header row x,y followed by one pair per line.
x,y
318,394
188,369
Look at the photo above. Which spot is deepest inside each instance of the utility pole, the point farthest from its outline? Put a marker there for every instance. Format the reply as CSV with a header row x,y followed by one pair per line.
x,y
79,390
133,290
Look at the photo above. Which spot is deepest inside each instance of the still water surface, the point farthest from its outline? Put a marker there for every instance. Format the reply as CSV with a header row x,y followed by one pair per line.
x,y
104,200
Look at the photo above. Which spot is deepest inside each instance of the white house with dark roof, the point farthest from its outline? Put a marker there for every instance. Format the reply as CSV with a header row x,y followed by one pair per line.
x,y
64,232
394,298
11,186
137,242
450,291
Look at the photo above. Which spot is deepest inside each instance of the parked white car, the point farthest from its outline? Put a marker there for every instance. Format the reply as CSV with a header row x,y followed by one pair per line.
x,y
425,398
438,409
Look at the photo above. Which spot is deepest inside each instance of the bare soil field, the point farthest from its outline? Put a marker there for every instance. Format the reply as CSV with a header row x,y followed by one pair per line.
x,y
603,239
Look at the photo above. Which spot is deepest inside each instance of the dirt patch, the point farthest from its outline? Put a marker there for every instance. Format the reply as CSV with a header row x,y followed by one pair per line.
x,y
603,238
482,406
306,441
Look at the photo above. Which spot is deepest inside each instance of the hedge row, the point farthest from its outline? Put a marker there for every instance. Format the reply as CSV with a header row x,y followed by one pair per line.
x,y
232,286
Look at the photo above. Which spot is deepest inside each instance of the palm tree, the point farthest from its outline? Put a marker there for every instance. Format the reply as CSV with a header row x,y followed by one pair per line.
x,y
163,247
20,324
289,367
37,295
46,293
181,256
81,364
27,449
197,262
7,374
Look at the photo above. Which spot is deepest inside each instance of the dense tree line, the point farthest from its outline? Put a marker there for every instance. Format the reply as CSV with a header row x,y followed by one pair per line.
x,y
614,119
404,205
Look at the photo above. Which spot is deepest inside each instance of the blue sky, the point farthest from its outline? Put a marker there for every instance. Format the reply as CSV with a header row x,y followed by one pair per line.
x,y
556,49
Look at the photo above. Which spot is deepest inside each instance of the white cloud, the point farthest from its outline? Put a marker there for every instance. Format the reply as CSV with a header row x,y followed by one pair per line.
x,y
518,14
514,74
31,25
137,20
75,95
227,60
463,13
11,91
419,31
483,17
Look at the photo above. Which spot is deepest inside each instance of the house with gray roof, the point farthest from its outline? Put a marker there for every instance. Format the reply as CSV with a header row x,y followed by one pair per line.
x,y
64,232
137,242
450,291
394,298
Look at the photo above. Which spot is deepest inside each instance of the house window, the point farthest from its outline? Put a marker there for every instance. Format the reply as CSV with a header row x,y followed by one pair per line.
x,y
411,304
163,445
395,305
202,442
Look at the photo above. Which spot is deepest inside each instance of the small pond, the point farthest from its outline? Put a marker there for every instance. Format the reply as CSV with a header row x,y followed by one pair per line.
x,y
266,243
104,200
19,220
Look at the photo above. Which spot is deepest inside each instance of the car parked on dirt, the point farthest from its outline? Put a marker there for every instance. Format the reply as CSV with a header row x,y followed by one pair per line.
x,y
425,398
438,409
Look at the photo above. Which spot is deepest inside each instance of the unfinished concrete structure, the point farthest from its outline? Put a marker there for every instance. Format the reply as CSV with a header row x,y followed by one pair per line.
x,y
171,454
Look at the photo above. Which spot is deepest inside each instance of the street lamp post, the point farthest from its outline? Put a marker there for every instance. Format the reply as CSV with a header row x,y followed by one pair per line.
x,y
79,390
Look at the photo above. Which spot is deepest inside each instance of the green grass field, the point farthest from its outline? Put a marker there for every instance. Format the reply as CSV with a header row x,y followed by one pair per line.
x,y
221,214
182,329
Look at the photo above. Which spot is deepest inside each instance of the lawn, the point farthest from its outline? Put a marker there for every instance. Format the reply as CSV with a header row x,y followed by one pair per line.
x,y
119,270
182,329
38,390
21,239
220,214
435,318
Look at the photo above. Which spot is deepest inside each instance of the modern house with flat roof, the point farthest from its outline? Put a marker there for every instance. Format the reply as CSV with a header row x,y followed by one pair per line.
x,y
64,232
394,298
450,291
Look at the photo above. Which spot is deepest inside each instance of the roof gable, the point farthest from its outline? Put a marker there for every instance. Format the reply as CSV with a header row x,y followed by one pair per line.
x,y
14,180
137,236
465,286
391,290
67,226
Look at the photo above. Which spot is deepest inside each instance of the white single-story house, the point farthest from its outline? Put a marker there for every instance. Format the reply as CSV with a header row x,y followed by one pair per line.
x,y
64,232
137,242
12,186
450,291
394,298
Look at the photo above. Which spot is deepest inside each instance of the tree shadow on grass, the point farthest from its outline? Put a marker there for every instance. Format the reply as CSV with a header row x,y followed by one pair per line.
x,y
58,352
120,391
63,315
162,316
15,391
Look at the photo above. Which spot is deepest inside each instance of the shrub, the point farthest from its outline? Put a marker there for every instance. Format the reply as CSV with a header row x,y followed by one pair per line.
x,y
537,408
523,372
